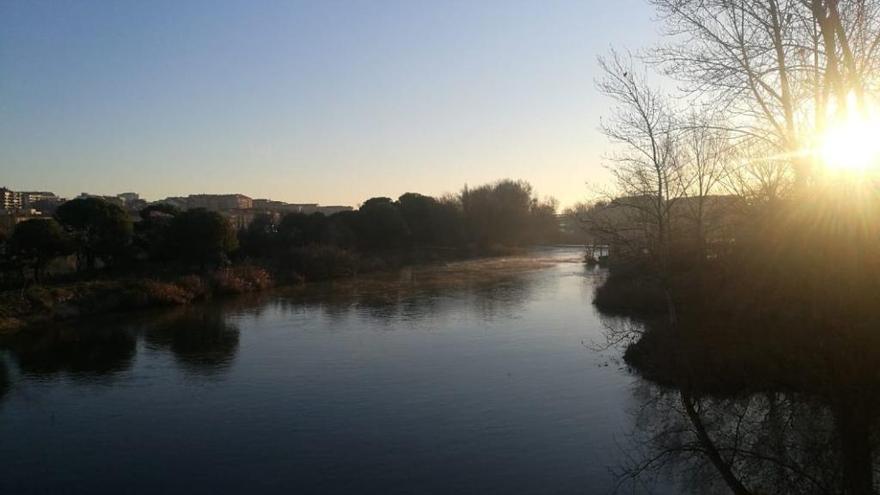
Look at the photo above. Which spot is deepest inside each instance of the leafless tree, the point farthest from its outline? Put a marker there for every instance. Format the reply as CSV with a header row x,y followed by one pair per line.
x,y
776,68
646,168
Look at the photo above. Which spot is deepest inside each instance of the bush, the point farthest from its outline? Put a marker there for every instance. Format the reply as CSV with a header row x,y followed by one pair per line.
x,y
241,279
164,293
194,285
630,295
320,263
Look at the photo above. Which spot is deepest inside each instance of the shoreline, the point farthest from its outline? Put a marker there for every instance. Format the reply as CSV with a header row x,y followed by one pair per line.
x,y
79,300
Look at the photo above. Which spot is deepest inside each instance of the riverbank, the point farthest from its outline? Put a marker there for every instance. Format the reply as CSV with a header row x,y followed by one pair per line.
x,y
71,300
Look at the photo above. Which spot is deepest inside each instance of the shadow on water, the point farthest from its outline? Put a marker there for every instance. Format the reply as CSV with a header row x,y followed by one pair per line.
x,y
4,379
81,353
721,411
202,340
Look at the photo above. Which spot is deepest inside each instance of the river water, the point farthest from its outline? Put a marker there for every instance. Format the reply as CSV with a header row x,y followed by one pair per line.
x,y
475,377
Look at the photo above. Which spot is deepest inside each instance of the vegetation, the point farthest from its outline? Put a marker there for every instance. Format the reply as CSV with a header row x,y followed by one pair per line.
x,y
100,229
37,242
168,256
744,235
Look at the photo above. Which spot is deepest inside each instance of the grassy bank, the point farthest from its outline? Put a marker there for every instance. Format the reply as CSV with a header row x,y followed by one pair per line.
x,y
71,299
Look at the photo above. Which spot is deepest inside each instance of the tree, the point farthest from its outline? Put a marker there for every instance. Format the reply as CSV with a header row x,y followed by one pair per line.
x,y
704,153
36,242
650,177
779,69
380,225
431,221
260,237
151,233
300,229
202,236
100,229
545,226
417,211
498,213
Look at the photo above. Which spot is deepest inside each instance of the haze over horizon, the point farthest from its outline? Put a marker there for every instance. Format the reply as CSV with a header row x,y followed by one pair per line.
x,y
319,102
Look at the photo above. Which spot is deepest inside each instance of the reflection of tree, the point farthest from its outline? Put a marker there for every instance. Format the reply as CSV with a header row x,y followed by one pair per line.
x,y
754,443
79,351
762,412
760,443
201,339
413,295
4,379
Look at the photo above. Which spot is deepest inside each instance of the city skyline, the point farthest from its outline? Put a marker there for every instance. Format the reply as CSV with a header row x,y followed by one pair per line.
x,y
326,103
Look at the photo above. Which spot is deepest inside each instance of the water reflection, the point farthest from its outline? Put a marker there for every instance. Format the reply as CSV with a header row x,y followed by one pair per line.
x,y
204,339
413,294
81,353
458,381
4,378
731,420
201,340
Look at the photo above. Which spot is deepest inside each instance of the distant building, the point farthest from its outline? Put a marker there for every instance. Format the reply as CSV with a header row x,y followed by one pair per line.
x,y
281,206
220,202
269,205
129,197
178,202
9,200
330,210
30,198
47,206
110,199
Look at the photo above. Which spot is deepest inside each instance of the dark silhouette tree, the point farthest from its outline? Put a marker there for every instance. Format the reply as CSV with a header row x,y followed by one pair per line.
x,y
260,238
158,210
202,236
37,242
432,221
498,213
380,225
417,210
99,228
151,234
544,226
300,229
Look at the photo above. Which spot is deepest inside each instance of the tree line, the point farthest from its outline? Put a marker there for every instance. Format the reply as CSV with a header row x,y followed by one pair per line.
x,y
100,234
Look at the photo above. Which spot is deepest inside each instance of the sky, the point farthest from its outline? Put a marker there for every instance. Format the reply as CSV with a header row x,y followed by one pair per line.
x,y
327,101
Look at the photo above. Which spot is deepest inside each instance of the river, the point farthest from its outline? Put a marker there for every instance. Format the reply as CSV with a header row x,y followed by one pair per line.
x,y
476,377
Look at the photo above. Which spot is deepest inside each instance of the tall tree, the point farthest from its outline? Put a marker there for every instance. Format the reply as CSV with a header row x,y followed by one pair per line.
x,y
100,229
647,168
381,225
37,242
202,236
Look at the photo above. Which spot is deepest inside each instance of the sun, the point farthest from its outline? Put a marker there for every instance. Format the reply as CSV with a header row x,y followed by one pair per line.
x,y
851,144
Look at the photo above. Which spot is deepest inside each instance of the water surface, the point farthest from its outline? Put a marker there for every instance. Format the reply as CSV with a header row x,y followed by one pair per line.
x,y
472,378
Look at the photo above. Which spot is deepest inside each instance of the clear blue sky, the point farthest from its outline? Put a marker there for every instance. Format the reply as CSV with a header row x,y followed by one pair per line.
x,y
323,101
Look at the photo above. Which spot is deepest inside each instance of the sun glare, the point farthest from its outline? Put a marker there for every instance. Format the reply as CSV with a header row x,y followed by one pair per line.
x,y
851,144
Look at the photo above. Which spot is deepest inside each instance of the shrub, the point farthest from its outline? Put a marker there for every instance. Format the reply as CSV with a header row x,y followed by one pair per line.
x,y
164,293
241,279
194,285
321,262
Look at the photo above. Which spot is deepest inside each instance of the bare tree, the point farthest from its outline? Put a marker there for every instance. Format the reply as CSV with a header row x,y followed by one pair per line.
x,y
648,173
776,68
704,148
